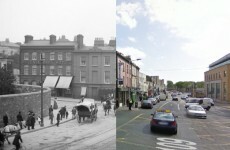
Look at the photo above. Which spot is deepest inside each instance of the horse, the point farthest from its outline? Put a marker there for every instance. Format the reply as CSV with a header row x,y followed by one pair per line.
x,y
106,106
12,129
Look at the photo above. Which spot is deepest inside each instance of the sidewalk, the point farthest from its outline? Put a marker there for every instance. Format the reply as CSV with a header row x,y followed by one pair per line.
x,y
223,104
127,108
46,120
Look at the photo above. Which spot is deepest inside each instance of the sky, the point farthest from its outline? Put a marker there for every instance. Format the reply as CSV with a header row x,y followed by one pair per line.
x,y
175,39
41,18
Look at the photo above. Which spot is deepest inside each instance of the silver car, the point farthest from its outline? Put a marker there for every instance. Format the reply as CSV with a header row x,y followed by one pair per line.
x,y
196,111
153,100
146,104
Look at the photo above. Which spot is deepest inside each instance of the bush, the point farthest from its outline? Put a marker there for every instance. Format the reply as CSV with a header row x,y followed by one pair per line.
x,y
55,105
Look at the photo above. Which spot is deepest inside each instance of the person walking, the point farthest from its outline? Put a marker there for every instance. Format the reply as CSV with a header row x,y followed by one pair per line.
x,y
33,120
50,108
39,120
74,112
19,119
130,104
16,140
66,114
58,118
28,121
51,117
5,119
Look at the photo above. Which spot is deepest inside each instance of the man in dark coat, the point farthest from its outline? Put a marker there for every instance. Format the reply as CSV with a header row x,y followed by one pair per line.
x,y
19,119
5,119
50,108
16,140
33,121
28,121
58,118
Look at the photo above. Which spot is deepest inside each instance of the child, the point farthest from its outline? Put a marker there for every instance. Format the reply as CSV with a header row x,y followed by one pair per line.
x,y
39,120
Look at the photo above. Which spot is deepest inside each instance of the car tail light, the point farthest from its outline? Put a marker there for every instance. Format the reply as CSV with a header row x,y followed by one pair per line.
x,y
153,122
174,123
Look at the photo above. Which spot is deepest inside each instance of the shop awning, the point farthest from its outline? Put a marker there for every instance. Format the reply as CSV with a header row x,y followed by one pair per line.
x,y
50,81
64,82
83,91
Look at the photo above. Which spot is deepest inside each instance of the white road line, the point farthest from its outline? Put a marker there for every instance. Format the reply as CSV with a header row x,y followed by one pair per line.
x,y
178,106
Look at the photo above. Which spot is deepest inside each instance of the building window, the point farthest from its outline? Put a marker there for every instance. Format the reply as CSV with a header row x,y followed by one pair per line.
x,y
95,76
52,56
107,77
107,61
68,56
34,83
127,69
59,70
59,56
42,56
83,61
68,70
224,87
219,75
43,70
34,70
34,56
95,61
83,76
51,70
26,82
225,73
26,56
26,70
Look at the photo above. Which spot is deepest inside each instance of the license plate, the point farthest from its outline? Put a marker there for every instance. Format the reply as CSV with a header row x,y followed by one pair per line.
x,y
163,123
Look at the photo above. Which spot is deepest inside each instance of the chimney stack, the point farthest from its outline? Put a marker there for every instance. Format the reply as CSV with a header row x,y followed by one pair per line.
x,y
99,42
112,42
28,38
52,39
79,40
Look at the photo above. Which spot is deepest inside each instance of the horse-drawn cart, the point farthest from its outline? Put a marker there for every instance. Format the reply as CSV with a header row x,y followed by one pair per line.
x,y
87,109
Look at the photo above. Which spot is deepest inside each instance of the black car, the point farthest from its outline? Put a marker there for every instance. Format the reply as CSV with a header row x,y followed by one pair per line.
x,y
163,120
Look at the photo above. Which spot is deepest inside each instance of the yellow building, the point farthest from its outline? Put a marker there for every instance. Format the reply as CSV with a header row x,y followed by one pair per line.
x,y
217,79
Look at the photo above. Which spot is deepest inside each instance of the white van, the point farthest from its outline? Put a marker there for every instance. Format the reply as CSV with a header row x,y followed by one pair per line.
x,y
205,103
162,97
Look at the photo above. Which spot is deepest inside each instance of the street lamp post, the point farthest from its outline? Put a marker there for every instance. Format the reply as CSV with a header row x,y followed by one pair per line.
x,y
42,123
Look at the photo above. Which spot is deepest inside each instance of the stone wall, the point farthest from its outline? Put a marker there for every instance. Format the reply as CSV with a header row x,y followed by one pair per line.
x,y
24,102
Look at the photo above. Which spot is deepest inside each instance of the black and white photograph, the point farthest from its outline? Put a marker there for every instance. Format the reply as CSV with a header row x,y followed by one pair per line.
x,y
57,74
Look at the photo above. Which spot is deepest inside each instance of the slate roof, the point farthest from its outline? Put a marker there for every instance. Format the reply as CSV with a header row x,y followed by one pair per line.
x,y
221,60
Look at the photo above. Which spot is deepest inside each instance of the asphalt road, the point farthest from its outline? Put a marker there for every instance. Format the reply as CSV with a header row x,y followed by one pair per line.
x,y
213,133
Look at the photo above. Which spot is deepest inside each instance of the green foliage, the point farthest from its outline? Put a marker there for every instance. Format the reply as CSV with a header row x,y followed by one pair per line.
x,y
170,84
6,82
200,84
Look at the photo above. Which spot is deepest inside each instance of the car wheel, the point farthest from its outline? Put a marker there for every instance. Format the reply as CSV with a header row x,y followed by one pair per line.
x,y
208,108
152,129
175,131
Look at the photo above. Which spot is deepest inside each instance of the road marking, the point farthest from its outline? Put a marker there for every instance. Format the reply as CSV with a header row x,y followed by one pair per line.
x,y
129,121
170,144
178,106
163,105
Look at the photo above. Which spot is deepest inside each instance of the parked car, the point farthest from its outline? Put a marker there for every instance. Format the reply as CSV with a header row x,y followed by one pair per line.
x,y
196,111
184,97
165,120
192,101
158,98
175,98
162,97
154,100
146,104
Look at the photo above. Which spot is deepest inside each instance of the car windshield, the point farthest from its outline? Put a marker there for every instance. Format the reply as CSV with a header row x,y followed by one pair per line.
x,y
193,101
196,108
163,116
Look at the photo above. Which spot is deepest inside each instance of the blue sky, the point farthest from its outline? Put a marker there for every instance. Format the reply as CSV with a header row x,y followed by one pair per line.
x,y
176,39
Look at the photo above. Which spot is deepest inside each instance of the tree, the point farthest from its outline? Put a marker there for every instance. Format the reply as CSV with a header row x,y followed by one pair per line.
x,y
200,84
170,84
6,81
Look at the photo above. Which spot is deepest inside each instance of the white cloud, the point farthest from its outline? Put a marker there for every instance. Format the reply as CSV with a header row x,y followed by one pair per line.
x,y
132,39
126,13
205,23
